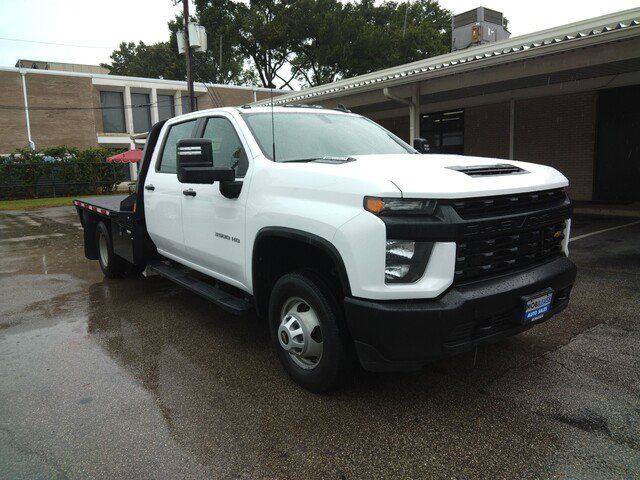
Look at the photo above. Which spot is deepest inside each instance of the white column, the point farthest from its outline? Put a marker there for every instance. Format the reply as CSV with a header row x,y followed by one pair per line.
x,y
154,106
414,112
178,99
512,126
128,119
133,170
133,167
128,112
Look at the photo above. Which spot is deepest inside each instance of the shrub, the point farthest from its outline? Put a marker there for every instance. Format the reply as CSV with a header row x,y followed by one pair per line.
x,y
59,171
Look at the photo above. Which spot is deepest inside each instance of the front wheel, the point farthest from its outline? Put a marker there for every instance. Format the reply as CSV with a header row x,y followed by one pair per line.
x,y
304,322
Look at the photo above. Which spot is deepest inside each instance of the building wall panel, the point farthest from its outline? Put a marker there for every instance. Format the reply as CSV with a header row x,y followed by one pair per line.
x,y
74,123
486,130
399,126
13,127
559,131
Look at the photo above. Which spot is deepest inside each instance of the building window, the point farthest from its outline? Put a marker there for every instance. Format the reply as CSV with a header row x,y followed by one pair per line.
x,y
141,112
444,131
166,108
185,104
112,112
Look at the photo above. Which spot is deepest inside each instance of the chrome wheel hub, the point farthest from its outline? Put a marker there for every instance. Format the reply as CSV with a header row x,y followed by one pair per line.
x,y
299,333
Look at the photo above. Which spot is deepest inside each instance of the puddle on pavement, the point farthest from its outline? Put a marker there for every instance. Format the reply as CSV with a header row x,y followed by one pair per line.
x,y
113,364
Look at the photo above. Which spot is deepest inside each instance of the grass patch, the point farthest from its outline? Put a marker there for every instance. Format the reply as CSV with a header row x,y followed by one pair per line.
x,y
33,203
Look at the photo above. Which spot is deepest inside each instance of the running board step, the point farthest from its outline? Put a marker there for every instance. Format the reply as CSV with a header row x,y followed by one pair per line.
x,y
224,300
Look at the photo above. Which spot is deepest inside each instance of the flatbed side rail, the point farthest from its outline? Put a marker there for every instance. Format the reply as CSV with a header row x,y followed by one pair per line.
x,y
93,208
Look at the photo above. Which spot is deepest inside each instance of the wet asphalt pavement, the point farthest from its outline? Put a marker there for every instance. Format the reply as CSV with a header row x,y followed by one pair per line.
x,y
138,378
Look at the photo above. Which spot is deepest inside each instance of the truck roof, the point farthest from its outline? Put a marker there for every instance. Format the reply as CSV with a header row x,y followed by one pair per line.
x,y
340,110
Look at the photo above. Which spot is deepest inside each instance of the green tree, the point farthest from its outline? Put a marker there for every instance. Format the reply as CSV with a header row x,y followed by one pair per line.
x,y
394,33
142,60
223,62
162,60
332,40
321,35
265,38
315,41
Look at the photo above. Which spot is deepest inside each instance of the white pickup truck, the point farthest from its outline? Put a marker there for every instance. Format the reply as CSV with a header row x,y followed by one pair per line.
x,y
348,241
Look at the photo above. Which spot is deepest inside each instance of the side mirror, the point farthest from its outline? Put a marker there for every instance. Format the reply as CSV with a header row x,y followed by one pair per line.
x,y
421,145
194,159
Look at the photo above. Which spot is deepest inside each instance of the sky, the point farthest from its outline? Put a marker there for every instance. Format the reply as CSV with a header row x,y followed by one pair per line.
x,y
97,27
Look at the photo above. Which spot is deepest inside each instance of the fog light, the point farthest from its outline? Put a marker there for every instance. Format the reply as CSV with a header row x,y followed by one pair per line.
x,y
396,272
406,260
401,248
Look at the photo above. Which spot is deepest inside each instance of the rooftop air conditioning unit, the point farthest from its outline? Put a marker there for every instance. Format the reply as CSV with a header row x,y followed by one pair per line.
x,y
477,27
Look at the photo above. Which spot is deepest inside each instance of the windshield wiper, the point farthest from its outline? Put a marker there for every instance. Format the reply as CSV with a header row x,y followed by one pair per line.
x,y
325,159
300,160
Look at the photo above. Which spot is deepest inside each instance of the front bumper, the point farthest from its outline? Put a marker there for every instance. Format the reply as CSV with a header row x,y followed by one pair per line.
x,y
405,334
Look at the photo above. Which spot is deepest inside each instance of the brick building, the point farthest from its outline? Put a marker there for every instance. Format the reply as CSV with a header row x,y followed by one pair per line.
x,y
75,107
567,96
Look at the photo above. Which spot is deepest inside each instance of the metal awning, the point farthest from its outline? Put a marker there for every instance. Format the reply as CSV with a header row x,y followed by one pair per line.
x,y
607,28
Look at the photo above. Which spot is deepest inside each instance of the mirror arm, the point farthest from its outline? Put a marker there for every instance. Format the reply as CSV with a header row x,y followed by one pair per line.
x,y
231,189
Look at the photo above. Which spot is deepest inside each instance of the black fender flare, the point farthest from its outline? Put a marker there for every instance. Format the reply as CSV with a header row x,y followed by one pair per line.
x,y
304,237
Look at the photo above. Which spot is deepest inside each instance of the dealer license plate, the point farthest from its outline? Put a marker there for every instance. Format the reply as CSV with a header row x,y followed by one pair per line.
x,y
537,306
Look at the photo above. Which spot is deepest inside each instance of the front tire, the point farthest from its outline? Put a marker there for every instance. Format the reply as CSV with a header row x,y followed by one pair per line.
x,y
304,319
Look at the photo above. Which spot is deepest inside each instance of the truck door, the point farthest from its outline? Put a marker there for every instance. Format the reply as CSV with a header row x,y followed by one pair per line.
x,y
163,194
214,225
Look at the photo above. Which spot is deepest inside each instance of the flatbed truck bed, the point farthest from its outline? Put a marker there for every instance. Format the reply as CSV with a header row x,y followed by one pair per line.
x,y
125,225
105,202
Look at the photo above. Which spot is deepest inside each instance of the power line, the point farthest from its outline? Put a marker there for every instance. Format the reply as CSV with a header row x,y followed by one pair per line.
x,y
54,43
195,71
22,107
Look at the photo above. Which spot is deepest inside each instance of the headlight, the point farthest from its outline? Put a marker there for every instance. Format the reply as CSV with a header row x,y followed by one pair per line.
x,y
399,206
406,260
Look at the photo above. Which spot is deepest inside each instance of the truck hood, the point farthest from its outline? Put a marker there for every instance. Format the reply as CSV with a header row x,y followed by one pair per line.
x,y
422,176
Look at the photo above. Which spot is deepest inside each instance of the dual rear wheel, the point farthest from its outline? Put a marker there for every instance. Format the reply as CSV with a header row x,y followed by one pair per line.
x,y
111,264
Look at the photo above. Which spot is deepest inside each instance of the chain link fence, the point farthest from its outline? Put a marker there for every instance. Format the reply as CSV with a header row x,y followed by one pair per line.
x,y
34,175
18,181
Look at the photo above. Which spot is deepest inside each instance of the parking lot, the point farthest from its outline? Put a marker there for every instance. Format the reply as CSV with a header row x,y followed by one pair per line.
x,y
138,378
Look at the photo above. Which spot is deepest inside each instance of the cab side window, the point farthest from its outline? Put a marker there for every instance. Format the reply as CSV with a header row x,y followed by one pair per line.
x,y
227,149
176,132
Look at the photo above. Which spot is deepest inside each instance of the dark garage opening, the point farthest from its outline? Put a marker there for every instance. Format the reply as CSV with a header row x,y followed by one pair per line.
x,y
444,131
617,176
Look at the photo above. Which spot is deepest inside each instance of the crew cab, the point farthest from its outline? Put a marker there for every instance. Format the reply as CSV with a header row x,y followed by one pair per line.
x,y
353,245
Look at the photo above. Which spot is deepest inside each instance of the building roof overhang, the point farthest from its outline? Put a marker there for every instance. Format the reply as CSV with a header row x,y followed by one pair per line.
x,y
579,35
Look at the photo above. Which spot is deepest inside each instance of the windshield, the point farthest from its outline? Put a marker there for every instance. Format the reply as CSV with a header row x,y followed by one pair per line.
x,y
310,136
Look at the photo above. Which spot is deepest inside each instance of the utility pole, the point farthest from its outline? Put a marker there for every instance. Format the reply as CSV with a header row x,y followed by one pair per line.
x,y
187,54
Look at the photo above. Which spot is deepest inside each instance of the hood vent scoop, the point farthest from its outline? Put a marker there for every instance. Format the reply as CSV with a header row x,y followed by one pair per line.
x,y
489,170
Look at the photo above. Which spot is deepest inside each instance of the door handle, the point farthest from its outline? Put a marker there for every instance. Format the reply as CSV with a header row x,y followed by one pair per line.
x,y
189,193
149,187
